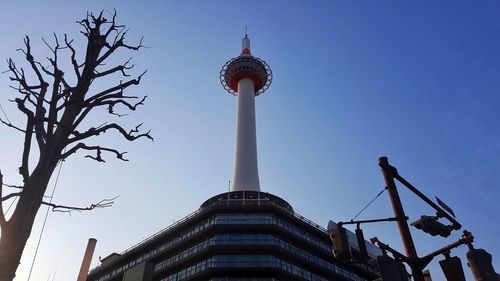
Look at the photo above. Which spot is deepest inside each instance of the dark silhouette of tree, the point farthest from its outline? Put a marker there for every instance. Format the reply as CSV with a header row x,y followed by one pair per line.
x,y
55,104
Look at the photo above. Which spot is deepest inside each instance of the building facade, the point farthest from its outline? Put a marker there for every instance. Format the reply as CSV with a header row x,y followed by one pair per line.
x,y
241,235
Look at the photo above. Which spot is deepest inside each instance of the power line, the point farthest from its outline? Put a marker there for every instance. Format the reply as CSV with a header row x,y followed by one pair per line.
x,y
5,114
12,203
45,220
380,193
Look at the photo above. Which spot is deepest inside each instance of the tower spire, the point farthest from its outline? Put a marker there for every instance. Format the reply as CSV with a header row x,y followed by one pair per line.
x,y
245,45
245,77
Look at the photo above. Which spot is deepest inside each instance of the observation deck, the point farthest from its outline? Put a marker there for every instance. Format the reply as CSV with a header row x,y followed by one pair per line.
x,y
246,66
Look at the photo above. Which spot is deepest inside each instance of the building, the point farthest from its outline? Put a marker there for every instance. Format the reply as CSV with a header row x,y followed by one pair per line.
x,y
244,234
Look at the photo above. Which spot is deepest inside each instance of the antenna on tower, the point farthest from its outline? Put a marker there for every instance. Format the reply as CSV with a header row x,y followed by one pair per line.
x,y
246,31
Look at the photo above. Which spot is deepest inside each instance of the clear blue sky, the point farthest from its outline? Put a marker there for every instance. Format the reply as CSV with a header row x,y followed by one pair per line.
x,y
353,80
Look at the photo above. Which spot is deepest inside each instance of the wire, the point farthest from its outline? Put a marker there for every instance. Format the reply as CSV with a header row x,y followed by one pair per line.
x,y
5,114
45,219
12,203
54,276
380,193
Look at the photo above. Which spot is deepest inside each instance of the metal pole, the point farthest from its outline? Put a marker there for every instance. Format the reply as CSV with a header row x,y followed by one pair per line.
x,y
404,230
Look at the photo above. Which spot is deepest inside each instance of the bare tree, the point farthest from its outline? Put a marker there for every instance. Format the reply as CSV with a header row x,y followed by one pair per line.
x,y
55,108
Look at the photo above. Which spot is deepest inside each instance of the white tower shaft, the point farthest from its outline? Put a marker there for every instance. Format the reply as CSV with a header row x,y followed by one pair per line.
x,y
246,174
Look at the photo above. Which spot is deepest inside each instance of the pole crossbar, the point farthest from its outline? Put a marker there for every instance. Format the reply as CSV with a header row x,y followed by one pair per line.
x,y
466,239
372,221
386,247
440,212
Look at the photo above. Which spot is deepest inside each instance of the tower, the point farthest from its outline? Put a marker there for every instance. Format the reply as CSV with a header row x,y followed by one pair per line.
x,y
246,77
241,235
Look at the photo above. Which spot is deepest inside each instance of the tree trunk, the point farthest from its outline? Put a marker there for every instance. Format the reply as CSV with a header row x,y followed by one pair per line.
x,y
12,245
16,232
15,235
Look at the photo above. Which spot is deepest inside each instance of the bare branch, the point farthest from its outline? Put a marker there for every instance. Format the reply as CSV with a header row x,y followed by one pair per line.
x,y
120,68
8,124
105,203
113,92
31,59
28,133
40,133
119,42
20,77
111,104
58,78
86,25
11,195
13,186
120,87
27,94
97,149
113,126
73,56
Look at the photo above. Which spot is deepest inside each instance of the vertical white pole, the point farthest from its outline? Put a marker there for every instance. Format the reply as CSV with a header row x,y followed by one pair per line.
x,y
246,174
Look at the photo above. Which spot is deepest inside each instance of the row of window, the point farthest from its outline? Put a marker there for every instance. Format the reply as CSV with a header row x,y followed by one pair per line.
x,y
242,261
255,239
165,246
271,219
257,219
244,279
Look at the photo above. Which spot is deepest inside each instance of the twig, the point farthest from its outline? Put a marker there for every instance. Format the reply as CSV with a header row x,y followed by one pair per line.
x,y
105,203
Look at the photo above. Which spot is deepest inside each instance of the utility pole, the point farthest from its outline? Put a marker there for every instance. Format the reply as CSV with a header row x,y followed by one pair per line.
x,y
479,259
413,261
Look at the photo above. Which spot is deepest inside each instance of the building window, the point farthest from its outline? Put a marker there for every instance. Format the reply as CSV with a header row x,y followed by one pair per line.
x,y
235,261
